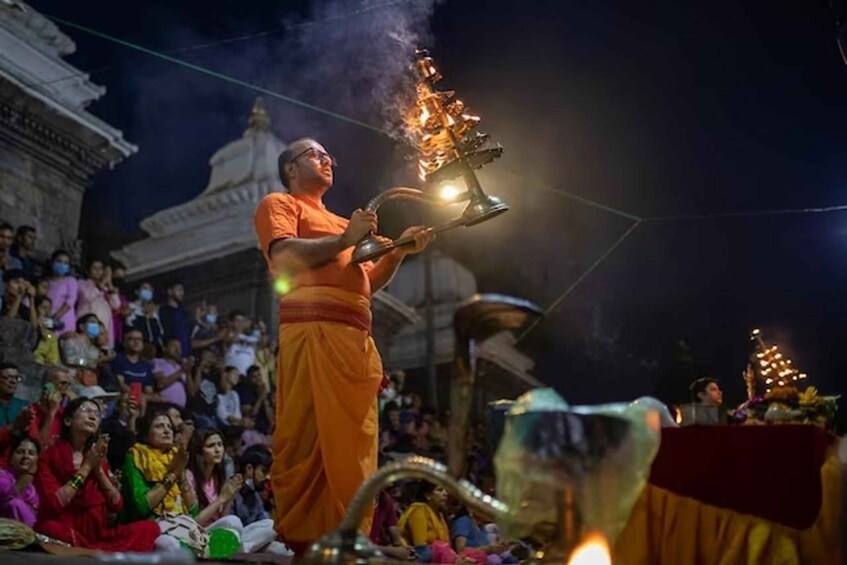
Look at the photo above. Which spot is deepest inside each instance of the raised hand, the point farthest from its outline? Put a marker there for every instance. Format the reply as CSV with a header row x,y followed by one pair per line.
x,y
96,453
52,401
361,224
422,235
231,487
179,462
23,420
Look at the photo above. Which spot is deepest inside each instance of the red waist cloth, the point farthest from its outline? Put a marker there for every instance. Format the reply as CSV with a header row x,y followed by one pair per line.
x,y
295,312
773,472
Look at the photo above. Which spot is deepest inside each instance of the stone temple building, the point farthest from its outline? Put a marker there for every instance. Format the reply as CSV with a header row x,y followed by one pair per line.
x,y
50,145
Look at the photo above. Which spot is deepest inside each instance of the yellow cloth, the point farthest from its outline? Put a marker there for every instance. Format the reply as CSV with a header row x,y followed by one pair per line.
x,y
421,525
325,441
47,350
153,465
266,363
665,528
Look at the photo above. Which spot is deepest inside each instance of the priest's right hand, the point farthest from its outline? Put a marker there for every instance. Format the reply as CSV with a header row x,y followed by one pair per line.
x,y
361,224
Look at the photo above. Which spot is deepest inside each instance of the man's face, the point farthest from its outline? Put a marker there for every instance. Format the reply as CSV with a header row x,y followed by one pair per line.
x,y
28,240
61,380
177,292
712,396
254,377
312,167
133,342
9,381
6,239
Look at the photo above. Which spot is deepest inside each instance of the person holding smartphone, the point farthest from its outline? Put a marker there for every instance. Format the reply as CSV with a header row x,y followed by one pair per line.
x,y
134,373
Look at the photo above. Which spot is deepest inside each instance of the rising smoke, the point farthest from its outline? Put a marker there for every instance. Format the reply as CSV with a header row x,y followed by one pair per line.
x,y
355,55
348,56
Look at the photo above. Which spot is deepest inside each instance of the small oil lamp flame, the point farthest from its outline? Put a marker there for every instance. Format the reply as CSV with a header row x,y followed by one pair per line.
x,y
593,551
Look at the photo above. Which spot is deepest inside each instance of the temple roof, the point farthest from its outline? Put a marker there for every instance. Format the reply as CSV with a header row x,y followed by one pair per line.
x,y
37,82
219,221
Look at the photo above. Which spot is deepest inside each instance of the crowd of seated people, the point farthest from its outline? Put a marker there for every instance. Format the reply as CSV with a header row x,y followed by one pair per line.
x,y
151,427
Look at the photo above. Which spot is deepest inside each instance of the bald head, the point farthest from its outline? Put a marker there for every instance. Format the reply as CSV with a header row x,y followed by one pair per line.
x,y
286,157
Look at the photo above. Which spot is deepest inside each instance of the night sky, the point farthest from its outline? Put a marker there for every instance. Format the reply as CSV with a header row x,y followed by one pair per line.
x,y
659,111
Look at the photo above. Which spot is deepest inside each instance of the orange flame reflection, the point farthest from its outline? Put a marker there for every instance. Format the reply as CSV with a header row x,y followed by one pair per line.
x,y
593,551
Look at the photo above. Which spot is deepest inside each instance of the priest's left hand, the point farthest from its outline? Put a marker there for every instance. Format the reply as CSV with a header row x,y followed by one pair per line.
x,y
423,236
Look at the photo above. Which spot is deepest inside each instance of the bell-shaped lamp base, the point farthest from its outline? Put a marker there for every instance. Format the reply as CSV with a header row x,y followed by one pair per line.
x,y
344,548
483,208
369,249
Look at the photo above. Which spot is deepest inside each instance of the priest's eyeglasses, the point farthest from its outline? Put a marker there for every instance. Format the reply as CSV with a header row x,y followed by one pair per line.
x,y
317,154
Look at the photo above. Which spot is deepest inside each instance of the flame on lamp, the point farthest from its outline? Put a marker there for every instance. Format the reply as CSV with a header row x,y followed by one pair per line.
x,y
593,551
449,192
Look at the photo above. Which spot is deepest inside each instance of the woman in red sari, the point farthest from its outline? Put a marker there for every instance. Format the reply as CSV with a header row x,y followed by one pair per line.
x,y
76,491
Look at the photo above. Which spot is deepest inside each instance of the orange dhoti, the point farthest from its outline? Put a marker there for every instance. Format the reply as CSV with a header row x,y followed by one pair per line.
x,y
325,442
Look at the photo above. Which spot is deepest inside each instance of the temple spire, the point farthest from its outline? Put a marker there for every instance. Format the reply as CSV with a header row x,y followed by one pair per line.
x,y
259,119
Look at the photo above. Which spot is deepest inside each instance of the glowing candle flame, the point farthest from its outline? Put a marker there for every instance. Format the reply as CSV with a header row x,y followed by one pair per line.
x,y
593,551
449,192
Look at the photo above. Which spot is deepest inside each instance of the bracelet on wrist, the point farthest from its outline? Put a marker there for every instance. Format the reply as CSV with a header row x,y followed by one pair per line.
x,y
76,481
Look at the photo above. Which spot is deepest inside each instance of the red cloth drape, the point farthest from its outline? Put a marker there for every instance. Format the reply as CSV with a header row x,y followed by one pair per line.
x,y
772,472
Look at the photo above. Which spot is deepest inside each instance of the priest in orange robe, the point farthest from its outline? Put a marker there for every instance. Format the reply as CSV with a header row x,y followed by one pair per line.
x,y
329,371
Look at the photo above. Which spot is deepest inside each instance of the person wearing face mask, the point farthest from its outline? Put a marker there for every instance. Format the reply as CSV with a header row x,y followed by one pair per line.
x,y
98,296
144,316
254,465
205,335
63,291
18,498
82,350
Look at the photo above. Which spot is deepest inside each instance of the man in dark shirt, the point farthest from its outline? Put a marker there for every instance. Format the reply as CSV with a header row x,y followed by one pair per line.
x,y
176,324
255,403
26,239
130,368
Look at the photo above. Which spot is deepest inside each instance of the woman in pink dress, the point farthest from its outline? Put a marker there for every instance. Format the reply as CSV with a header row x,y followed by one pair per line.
x,y
18,499
63,291
97,295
